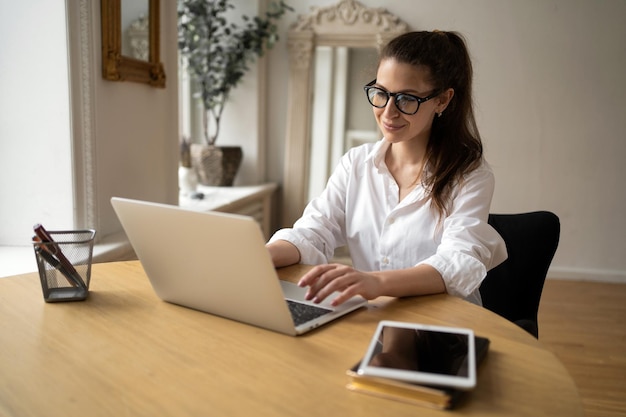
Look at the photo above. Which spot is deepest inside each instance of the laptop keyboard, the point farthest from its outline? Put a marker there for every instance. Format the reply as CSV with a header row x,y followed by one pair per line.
x,y
302,313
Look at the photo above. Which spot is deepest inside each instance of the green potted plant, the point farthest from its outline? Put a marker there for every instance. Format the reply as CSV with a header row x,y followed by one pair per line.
x,y
218,54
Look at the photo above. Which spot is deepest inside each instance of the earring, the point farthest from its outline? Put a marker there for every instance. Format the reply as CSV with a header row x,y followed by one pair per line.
x,y
439,114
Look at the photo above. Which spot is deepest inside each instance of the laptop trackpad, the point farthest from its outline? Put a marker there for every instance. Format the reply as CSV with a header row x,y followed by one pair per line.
x,y
294,292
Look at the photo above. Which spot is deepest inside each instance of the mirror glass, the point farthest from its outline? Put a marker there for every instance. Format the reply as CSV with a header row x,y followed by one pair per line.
x,y
136,29
341,116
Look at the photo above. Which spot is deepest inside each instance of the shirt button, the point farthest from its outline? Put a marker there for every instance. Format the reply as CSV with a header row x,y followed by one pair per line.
x,y
391,220
385,260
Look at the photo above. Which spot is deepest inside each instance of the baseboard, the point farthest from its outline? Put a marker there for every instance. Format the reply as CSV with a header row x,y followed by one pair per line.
x,y
593,275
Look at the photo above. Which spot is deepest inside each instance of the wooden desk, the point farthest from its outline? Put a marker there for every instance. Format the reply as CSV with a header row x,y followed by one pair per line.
x,y
124,352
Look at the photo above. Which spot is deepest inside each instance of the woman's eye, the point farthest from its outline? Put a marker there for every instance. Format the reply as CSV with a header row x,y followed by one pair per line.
x,y
379,97
404,100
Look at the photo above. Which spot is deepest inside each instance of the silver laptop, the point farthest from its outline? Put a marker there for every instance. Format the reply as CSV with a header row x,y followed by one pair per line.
x,y
218,263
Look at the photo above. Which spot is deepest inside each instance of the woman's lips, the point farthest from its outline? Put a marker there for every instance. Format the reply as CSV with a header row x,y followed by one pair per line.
x,y
392,127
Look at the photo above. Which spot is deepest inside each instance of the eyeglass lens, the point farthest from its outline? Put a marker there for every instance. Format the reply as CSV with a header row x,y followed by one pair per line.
x,y
405,103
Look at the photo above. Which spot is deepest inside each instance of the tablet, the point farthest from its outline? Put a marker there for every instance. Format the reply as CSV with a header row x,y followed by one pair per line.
x,y
423,354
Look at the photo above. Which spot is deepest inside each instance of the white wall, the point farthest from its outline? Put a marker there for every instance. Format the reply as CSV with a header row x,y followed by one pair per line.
x,y
136,131
132,128
552,114
550,99
35,160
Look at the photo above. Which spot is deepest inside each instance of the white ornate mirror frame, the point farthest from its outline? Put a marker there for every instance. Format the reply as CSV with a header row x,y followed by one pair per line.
x,y
347,24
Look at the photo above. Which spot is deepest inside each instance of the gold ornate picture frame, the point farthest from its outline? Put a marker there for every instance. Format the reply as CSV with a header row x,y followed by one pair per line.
x,y
118,67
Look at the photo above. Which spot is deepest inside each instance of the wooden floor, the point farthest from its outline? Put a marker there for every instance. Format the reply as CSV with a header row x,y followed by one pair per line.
x,y
584,324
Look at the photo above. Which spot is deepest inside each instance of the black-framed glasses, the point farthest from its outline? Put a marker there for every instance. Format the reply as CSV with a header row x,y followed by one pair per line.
x,y
406,103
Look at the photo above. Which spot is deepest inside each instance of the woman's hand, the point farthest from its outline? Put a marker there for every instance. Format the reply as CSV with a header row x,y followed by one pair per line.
x,y
323,280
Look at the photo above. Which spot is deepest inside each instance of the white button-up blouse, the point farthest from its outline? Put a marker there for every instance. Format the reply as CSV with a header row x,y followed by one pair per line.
x,y
360,208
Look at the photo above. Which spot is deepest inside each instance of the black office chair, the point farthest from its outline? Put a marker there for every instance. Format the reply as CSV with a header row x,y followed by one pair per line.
x,y
513,288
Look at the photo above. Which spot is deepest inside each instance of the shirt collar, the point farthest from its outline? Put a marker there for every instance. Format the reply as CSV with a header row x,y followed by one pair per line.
x,y
377,154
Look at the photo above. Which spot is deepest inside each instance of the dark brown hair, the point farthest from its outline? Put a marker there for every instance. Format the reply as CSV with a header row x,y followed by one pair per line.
x,y
454,148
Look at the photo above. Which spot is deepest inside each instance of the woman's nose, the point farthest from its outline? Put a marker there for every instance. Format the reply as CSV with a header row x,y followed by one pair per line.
x,y
391,110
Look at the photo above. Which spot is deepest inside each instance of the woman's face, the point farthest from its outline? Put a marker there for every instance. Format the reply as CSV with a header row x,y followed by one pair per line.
x,y
397,77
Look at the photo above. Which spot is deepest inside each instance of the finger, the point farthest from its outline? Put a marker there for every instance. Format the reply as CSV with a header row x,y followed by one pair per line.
x,y
319,276
311,276
331,282
322,287
344,296
315,279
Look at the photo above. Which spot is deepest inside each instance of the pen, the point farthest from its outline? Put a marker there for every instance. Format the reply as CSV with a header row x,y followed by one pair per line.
x,y
73,280
44,236
71,275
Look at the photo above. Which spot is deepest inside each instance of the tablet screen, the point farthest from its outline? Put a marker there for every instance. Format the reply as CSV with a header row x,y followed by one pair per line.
x,y
434,355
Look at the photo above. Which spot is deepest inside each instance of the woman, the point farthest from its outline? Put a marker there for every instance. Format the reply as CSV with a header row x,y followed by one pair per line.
x,y
413,207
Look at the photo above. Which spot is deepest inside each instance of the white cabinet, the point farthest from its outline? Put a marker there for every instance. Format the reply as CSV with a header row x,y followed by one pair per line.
x,y
254,201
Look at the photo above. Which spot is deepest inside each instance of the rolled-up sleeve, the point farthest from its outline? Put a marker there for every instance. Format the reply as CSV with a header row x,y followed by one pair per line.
x,y
321,228
307,243
469,245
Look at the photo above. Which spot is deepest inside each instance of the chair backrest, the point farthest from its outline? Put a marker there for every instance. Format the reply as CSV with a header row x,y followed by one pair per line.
x,y
513,289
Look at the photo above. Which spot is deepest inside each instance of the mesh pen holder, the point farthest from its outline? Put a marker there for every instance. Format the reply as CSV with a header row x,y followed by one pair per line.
x,y
65,265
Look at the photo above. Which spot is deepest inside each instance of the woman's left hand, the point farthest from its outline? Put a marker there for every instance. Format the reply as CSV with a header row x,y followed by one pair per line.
x,y
323,280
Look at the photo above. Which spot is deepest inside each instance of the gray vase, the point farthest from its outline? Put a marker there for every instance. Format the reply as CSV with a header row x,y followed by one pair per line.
x,y
216,165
